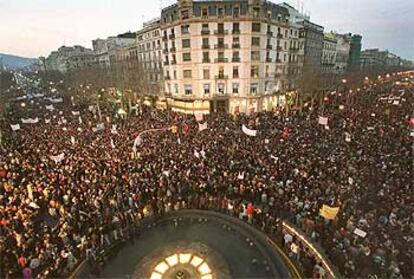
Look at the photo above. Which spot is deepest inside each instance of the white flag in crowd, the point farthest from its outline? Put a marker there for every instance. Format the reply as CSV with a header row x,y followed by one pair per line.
x,y
113,130
72,140
47,121
30,120
202,127
203,153
57,159
100,127
50,107
56,100
249,132
80,120
75,113
347,137
15,127
240,176
196,154
198,117
323,120
137,142
112,144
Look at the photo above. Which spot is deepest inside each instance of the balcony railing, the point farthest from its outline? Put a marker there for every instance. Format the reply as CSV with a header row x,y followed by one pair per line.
x,y
279,35
221,60
173,49
269,47
205,32
221,46
172,36
221,32
222,77
278,61
294,49
236,31
235,59
205,46
165,38
206,60
269,60
279,48
165,50
269,33
235,45
173,62
166,63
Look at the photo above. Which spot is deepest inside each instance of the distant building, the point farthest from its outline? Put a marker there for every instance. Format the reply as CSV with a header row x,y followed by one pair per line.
x,y
329,53
355,52
107,51
343,49
67,59
314,39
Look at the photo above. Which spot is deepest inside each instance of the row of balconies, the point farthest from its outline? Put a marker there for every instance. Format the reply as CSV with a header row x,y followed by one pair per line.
x,y
224,32
234,46
234,60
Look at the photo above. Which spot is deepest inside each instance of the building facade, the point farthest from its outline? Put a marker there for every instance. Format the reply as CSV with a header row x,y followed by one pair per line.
x,y
355,52
343,48
149,56
227,55
329,53
67,59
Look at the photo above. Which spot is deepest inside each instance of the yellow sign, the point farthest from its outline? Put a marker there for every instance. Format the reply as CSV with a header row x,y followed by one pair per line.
x,y
174,129
329,213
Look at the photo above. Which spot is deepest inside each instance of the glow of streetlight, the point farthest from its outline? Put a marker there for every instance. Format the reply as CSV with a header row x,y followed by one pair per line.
x,y
344,81
379,77
366,78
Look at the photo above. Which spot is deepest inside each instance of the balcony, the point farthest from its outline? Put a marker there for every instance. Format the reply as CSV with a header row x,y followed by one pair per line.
x,y
206,60
173,49
294,49
221,32
279,48
174,62
165,38
205,32
205,46
221,46
235,31
165,50
278,75
278,61
237,46
167,78
269,33
269,47
222,77
221,60
166,63
269,60
279,36
172,36
235,59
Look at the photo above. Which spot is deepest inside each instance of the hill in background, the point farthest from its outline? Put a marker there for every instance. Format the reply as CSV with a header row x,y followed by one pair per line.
x,y
12,62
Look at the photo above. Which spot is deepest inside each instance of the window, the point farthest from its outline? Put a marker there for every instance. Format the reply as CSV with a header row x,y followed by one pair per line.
x,y
205,43
236,12
187,73
206,89
235,88
185,29
186,43
204,12
255,55
236,56
256,26
188,89
220,88
206,74
254,71
253,88
206,57
175,74
255,41
256,11
186,57
221,72
220,27
221,55
220,41
184,14
236,27
176,88
220,12
235,72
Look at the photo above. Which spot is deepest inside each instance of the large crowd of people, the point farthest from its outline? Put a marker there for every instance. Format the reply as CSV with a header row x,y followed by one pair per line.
x,y
57,211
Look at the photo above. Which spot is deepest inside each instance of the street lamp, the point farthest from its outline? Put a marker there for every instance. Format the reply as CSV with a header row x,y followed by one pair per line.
x,y
344,81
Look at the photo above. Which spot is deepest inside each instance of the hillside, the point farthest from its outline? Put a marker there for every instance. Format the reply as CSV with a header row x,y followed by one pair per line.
x,y
12,62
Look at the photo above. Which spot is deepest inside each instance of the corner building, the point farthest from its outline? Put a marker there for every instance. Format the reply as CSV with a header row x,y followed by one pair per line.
x,y
231,56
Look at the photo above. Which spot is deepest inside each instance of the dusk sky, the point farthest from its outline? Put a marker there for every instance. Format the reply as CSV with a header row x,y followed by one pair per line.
x,y
34,28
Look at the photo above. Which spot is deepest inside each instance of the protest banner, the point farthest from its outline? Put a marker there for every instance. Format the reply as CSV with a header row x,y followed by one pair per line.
x,y
249,132
328,212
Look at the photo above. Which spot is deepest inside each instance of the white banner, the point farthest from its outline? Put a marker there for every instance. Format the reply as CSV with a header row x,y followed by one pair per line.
x,y
50,107
196,154
57,159
30,120
112,144
75,113
347,137
56,100
323,120
249,132
137,142
72,140
100,127
198,117
47,121
202,127
360,233
113,129
15,127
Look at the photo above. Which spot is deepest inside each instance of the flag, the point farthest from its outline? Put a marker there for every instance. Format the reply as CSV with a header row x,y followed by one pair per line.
x,y
186,128
50,107
15,127
267,141
198,117
202,127
113,130
75,113
137,142
80,120
30,120
196,154
47,121
249,132
72,139
100,127
347,137
178,140
112,144
285,133
323,120
57,159
360,232
56,100
328,212
240,176
203,153
274,158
